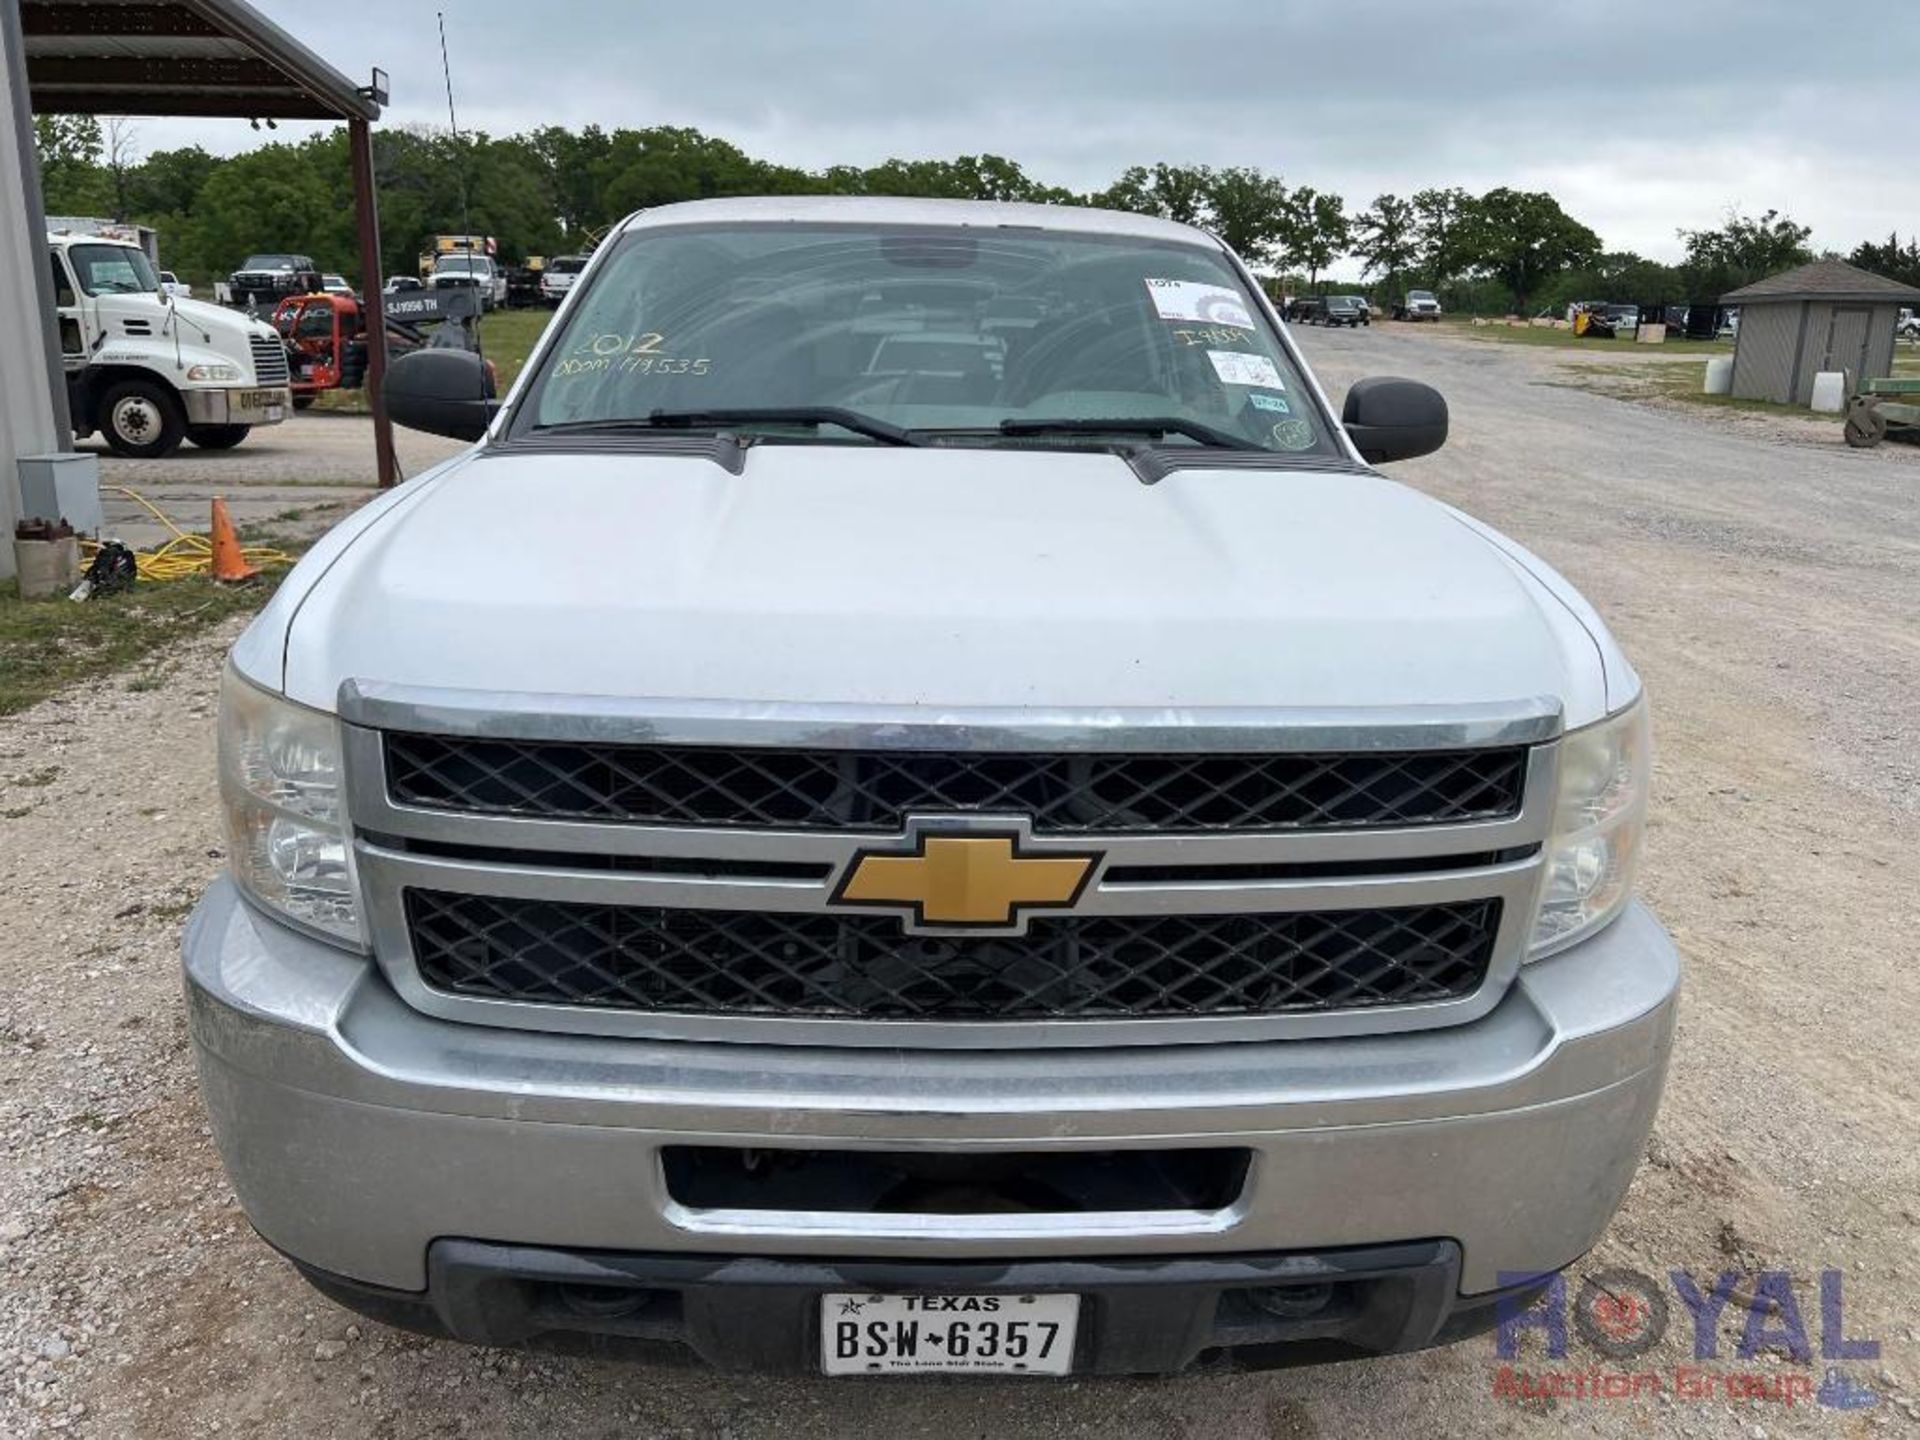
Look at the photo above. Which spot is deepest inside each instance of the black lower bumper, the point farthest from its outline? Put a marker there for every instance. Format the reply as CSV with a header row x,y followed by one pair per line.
x,y
762,1313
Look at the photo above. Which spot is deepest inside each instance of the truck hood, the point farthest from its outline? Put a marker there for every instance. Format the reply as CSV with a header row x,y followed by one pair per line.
x,y
950,578
205,331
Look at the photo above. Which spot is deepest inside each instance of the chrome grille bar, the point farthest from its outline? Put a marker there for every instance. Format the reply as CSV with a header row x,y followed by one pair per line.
x,y
402,848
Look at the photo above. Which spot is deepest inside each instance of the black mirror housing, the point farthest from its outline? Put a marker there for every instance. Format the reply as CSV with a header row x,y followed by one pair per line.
x,y
1393,419
441,391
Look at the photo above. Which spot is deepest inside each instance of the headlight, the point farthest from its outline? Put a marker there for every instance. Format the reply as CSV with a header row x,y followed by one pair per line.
x,y
213,372
287,840
1598,815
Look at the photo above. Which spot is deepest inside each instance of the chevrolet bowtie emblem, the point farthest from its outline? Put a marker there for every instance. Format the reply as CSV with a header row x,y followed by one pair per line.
x,y
965,878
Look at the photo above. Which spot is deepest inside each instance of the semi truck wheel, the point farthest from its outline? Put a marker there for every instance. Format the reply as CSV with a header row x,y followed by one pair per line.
x,y
217,437
141,419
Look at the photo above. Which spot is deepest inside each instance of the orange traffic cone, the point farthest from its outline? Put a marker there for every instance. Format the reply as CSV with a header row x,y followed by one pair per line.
x,y
229,564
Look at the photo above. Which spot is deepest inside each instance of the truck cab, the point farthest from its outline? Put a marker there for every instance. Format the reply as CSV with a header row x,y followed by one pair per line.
x,y
559,276
148,369
470,272
1419,305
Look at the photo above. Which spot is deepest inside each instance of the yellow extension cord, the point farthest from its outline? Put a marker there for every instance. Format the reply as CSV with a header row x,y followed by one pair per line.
x,y
187,553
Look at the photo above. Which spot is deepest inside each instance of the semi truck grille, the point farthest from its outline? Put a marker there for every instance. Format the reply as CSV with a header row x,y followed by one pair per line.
x,y
720,962
876,790
269,361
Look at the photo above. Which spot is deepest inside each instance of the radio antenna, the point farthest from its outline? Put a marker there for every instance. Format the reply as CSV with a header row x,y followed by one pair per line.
x,y
460,177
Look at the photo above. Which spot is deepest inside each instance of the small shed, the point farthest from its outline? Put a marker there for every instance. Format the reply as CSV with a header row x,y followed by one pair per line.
x,y
1825,316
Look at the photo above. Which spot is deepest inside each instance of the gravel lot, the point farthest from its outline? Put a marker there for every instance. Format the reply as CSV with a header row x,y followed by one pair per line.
x,y
297,477
1766,584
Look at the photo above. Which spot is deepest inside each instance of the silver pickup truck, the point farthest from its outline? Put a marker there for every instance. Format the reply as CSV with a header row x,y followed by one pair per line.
x,y
915,802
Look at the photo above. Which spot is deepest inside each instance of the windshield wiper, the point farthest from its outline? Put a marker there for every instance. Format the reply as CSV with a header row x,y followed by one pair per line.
x,y
1148,425
870,426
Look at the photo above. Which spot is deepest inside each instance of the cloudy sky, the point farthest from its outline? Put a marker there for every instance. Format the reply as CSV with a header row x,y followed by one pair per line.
x,y
1642,116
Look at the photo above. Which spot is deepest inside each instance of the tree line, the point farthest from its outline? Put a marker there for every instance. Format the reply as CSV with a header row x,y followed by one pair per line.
x,y
553,190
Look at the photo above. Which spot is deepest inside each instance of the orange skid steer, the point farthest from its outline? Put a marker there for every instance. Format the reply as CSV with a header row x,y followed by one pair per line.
x,y
327,343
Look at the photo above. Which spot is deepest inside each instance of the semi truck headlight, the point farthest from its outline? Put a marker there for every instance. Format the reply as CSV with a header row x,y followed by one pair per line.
x,y
287,840
213,372
1594,848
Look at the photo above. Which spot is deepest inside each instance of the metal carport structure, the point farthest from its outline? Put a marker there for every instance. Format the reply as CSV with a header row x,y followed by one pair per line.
x,y
164,58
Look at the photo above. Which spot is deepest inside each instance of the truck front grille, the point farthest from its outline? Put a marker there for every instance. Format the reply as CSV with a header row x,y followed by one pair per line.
x,y
720,962
269,360
877,790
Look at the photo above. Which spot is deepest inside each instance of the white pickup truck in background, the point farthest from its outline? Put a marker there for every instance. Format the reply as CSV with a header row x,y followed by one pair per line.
x,y
482,273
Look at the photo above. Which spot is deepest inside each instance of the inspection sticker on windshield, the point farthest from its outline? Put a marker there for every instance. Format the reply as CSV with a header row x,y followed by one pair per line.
x,y
1273,403
1208,304
1235,368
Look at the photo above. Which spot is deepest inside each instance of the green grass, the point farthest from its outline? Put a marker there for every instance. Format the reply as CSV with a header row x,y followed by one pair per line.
x,y
507,337
1655,380
48,645
1541,335
1652,378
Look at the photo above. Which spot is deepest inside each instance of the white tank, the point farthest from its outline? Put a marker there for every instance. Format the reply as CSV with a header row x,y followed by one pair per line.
x,y
1720,375
1830,391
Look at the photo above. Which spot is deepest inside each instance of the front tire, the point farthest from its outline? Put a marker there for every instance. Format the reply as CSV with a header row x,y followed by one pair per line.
x,y
141,419
217,437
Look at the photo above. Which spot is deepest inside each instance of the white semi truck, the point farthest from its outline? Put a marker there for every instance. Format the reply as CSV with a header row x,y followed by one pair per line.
x,y
147,369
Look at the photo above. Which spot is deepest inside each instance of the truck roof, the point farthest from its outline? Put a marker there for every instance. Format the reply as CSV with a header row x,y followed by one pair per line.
x,y
94,237
883,210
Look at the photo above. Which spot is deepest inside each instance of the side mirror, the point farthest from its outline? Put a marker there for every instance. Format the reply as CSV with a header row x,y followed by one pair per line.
x,y
444,392
1393,419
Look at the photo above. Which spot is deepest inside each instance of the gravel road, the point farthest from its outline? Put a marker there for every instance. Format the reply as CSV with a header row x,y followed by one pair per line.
x,y
1766,586
295,478
315,447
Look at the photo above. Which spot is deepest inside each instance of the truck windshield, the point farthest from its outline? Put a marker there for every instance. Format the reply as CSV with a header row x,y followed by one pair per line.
x,y
268,262
113,270
960,335
462,264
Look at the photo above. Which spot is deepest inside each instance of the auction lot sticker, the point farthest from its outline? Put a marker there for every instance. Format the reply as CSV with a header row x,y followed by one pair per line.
x,y
1237,368
1207,304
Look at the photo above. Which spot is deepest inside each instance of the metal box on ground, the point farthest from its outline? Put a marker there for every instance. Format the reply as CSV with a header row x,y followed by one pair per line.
x,y
62,487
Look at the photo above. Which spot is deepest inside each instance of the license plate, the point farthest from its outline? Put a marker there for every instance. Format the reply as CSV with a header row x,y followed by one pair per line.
x,y
995,1334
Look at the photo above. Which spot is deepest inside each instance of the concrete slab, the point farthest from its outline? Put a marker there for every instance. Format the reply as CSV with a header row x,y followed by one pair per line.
x,y
297,478
311,449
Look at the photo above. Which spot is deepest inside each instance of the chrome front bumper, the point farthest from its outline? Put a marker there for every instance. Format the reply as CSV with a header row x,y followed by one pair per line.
x,y
357,1130
242,405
